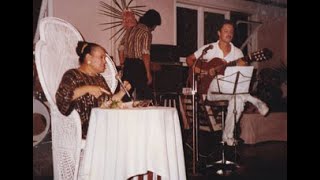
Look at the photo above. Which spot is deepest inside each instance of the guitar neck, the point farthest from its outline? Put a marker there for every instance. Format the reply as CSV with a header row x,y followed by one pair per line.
x,y
234,63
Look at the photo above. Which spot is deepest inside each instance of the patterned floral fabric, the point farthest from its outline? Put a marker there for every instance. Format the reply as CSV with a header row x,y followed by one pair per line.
x,y
71,80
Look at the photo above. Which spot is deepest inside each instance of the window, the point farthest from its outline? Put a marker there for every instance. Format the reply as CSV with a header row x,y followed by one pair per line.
x,y
187,20
197,26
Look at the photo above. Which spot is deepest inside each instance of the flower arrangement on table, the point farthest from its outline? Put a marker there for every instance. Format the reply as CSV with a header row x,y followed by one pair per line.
x,y
112,104
116,104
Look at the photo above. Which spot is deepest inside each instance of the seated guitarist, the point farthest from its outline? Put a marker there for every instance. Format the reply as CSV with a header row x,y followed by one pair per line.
x,y
220,53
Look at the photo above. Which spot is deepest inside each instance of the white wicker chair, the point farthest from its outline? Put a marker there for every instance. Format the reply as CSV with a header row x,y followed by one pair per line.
x,y
54,54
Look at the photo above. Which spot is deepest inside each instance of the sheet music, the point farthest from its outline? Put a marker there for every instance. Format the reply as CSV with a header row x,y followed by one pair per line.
x,y
225,84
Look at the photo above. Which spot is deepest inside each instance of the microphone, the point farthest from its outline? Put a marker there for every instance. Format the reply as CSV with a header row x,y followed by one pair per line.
x,y
122,86
204,51
207,48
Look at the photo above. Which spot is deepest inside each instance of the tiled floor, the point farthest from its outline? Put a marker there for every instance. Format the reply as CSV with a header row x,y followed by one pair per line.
x,y
262,161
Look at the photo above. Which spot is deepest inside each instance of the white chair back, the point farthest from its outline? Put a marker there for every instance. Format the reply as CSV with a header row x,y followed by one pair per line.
x,y
55,53
110,74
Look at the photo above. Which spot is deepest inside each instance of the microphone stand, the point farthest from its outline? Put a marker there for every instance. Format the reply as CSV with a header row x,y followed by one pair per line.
x,y
195,127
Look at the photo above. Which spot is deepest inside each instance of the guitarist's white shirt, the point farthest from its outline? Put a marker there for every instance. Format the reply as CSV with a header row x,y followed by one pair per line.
x,y
234,54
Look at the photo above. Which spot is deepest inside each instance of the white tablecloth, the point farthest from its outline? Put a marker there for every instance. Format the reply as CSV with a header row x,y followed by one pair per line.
x,y
122,143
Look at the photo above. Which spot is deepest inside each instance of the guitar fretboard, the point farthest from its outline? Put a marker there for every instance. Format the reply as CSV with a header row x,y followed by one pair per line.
x,y
232,63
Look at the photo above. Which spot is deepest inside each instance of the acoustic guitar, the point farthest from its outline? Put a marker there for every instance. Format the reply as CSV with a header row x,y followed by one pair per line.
x,y
206,71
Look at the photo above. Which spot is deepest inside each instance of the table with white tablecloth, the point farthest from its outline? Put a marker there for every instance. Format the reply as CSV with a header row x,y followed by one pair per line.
x,y
122,143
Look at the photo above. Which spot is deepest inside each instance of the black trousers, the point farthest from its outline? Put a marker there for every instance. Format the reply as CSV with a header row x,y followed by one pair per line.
x,y
134,71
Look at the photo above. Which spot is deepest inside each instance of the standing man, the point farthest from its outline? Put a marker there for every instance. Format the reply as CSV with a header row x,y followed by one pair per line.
x,y
134,54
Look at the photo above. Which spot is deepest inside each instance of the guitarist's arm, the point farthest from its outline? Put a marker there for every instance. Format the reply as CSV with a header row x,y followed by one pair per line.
x,y
190,60
242,62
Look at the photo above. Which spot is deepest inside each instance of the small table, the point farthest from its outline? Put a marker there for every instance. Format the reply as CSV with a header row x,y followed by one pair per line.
x,y
122,143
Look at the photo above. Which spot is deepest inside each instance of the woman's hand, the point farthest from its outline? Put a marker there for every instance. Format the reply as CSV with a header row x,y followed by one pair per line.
x,y
122,92
96,91
105,91
127,85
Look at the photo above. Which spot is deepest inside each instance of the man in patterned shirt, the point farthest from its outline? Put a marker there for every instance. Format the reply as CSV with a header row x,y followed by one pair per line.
x,y
134,54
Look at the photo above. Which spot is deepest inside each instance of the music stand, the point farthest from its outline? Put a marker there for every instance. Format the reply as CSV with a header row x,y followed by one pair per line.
x,y
235,81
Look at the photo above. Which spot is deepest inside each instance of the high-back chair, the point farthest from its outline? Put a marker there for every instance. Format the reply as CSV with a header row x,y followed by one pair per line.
x,y
55,53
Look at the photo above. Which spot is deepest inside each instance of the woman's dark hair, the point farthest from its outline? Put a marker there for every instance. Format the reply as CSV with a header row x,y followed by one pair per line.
x,y
226,21
151,18
84,48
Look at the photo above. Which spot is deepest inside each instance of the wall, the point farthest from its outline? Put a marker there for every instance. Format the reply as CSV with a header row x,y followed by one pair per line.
x,y
273,34
164,33
83,14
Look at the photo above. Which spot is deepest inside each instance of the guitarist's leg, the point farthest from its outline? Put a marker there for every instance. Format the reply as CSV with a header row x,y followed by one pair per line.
x,y
228,133
261,106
